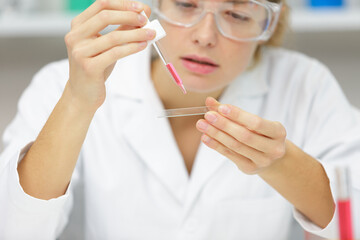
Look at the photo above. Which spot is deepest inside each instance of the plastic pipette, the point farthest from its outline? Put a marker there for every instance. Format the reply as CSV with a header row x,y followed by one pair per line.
x,y
160,33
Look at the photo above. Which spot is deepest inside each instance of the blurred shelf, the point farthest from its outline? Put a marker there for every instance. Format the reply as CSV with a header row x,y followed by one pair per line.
x,y
35,25
321,20
58,24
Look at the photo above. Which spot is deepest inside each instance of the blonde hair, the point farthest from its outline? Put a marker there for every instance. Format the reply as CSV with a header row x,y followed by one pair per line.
x,y
277,38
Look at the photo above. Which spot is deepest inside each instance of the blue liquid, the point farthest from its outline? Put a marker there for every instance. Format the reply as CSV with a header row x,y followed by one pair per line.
x,y
326,3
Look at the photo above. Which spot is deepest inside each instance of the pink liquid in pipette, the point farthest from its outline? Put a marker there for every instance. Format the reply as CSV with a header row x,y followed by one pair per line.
x,y
345,221
176,77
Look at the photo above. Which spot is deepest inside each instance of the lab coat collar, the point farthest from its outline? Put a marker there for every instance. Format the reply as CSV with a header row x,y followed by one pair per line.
x,y
251,83
129,74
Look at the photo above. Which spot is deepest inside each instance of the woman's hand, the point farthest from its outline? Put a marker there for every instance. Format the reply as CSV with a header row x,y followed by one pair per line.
x,y
252,143
259,146
92,56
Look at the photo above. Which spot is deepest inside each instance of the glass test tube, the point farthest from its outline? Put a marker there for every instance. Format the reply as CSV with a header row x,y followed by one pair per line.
x,y
344,203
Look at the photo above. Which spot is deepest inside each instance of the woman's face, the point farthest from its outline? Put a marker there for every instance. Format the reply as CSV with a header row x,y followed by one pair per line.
x,y
191,49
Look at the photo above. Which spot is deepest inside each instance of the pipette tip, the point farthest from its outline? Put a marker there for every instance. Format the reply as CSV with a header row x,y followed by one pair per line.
x,y
183,88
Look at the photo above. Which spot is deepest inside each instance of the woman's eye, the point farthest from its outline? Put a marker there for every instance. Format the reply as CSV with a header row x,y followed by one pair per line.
x,y
238,16
185,5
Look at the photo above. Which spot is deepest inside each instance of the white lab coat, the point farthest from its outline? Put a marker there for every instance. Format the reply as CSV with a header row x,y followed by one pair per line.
x,y
135,183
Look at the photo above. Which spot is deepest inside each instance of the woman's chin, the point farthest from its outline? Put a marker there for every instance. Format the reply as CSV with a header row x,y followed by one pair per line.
x,y
203,88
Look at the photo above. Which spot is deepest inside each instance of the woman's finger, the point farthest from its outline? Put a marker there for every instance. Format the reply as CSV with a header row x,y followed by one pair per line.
x,y
243,163
252,121
99,5
125,27
107,58
234,145
240,133
106,18
212,104
115,38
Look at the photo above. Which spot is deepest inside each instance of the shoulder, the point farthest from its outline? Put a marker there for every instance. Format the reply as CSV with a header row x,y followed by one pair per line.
x,y
280,59
294,70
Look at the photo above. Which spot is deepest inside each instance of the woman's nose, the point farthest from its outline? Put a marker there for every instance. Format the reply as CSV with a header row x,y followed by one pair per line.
x,y
205,33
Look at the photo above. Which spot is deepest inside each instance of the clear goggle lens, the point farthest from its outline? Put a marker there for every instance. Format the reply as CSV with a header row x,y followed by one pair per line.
x,y
239,20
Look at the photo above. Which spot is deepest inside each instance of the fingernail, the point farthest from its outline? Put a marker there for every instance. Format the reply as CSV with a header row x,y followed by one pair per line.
x,y
137,6
206,138
202,125
142,19
224,109
150,33
142,44
211,117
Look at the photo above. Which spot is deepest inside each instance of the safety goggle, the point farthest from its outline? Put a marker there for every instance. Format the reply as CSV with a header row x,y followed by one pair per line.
x,y
240,20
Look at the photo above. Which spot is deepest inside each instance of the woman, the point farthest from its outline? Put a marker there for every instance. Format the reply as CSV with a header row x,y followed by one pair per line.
x,y
245,170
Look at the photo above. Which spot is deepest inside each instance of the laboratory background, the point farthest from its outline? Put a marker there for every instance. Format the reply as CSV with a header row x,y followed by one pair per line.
x,y
32,35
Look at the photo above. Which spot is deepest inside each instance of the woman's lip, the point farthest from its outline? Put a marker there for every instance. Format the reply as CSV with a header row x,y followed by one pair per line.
x,y
198,67
200,59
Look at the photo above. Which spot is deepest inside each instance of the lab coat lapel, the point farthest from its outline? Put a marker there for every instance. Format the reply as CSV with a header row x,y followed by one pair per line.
x,y
207,163
152,139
